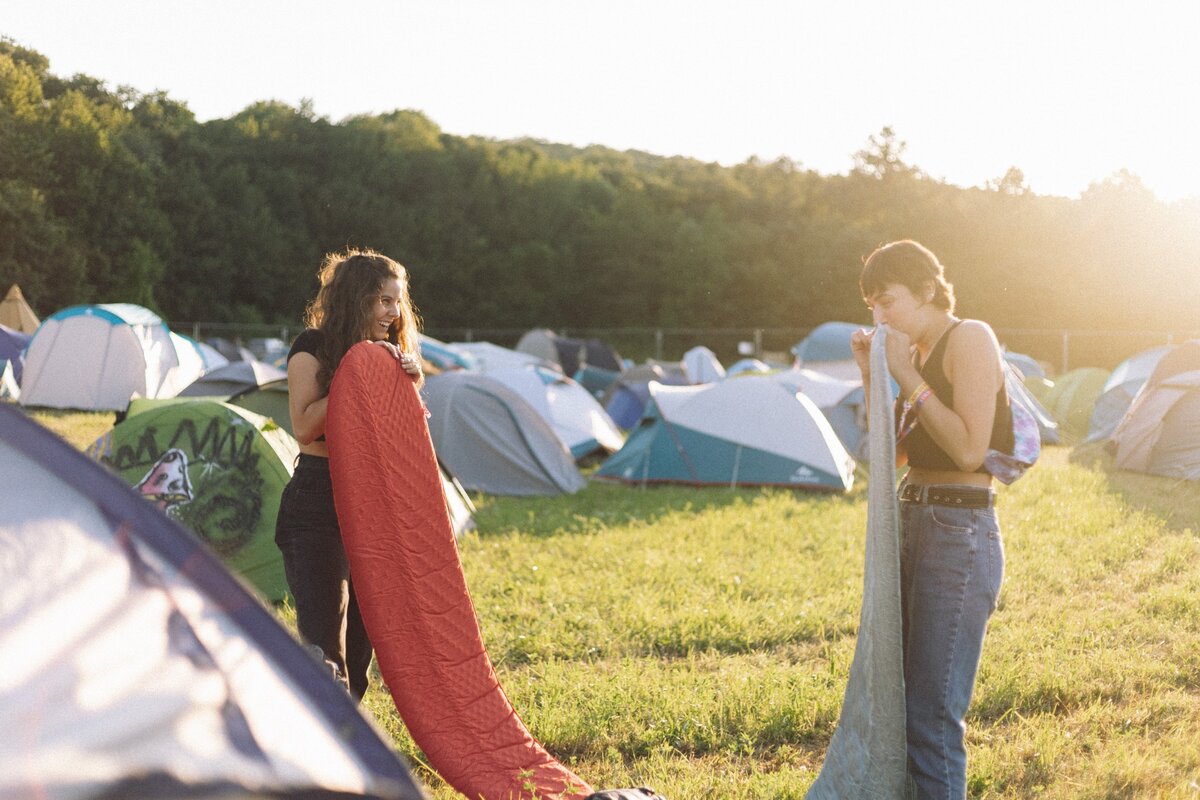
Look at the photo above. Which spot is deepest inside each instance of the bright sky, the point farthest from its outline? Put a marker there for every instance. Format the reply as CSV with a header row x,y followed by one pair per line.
x,y
1069,92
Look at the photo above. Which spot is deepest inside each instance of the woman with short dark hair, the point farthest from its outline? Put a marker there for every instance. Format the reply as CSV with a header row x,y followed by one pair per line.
x,y
951,410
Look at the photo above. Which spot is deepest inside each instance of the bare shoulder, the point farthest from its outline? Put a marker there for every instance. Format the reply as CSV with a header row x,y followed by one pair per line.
x,y
302,371
973,352
972,339
302,363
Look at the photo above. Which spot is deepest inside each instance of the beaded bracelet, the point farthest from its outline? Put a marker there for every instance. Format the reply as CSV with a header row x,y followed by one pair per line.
x,y
912,398
912,407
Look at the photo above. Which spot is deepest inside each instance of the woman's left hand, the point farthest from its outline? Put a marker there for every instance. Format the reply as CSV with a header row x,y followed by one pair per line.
x,y
899,353
411,364
408,362
396,352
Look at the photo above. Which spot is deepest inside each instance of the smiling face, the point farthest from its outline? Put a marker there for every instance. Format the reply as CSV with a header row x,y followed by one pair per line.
x,y
386,309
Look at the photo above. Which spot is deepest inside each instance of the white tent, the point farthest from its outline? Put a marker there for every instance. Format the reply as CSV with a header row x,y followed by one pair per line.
x,y
747,366
843,403
578,419
826,349
9,388
233,378
99,357
488,356
1160,434
702,366
749,431
134,665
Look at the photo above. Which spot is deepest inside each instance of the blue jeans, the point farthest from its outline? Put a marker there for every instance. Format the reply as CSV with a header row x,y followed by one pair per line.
x,y
951,565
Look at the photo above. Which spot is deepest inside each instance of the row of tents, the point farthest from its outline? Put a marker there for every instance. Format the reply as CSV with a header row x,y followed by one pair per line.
x,y
217,452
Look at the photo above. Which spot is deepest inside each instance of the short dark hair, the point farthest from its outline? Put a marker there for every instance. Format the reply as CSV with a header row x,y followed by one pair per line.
x,y
910,264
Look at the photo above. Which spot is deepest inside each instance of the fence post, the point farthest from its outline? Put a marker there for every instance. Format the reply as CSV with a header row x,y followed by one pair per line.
x,y
758,343
196,331
470,335
1066,350
658,344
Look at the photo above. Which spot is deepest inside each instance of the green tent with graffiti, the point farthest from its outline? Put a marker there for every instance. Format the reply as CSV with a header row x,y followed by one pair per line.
x,y
216,468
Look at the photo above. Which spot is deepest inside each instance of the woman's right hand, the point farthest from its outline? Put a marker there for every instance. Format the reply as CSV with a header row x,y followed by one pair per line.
x,y
860,345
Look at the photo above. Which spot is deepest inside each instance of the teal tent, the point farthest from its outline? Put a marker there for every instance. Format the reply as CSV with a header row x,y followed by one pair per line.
x,y
749,431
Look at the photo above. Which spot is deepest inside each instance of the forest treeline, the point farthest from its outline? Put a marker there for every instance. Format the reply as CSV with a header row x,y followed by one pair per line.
x,y
111,195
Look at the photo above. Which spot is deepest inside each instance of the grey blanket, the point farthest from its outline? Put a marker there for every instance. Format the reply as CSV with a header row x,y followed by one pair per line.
x,y
867,757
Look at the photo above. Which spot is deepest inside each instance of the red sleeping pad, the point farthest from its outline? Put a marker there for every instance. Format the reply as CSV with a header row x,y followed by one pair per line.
x,y
412,591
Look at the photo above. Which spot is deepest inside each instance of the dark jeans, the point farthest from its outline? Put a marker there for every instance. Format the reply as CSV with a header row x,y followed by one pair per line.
x,y
318,574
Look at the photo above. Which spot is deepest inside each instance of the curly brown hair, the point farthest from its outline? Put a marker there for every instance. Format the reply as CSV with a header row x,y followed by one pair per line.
x,y
351,281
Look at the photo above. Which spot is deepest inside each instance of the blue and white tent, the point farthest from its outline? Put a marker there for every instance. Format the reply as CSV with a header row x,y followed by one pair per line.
x,y
10,387
1119,390
446,356
625,401
487,356
575,416
99,357
827,349
843,403
701,365
12,349
749,431
136,666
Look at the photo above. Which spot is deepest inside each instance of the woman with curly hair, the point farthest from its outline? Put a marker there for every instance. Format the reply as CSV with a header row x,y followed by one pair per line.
x,y
363,297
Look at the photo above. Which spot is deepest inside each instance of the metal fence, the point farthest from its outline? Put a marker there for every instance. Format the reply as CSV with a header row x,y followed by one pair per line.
x,y
1059,350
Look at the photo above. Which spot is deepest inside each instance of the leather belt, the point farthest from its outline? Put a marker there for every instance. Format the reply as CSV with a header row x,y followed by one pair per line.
x,y
953,496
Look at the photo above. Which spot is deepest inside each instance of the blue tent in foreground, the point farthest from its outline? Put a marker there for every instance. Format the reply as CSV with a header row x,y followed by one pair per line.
x,y
148,669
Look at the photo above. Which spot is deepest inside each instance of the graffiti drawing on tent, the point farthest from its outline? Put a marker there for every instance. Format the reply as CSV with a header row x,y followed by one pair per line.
x,y
216,468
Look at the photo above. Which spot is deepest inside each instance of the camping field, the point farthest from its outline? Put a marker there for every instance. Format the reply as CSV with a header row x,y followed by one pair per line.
x,y
698,641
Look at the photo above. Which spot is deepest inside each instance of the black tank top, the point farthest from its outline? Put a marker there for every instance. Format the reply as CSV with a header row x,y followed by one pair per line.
x,y
923,452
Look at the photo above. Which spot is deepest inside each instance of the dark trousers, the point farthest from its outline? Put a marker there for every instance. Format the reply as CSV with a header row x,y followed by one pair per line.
x,y
318,573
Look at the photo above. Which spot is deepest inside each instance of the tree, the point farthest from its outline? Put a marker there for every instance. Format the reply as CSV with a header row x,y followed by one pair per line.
x,y
882,157
1012,182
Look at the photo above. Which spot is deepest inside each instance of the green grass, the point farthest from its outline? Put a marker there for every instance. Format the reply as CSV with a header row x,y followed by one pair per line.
x,y
698,641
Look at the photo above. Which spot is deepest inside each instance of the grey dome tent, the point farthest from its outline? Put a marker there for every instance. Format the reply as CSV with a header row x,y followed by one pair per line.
x,y
136,666
568,353
493,441
1160,433
234,377
271,401
1119,390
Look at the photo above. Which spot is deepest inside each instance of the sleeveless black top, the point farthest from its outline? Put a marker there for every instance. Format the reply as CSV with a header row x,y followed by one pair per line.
x,y
923,452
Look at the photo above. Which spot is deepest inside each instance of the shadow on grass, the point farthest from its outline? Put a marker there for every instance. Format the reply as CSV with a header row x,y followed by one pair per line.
x,y
605,504
1174,501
